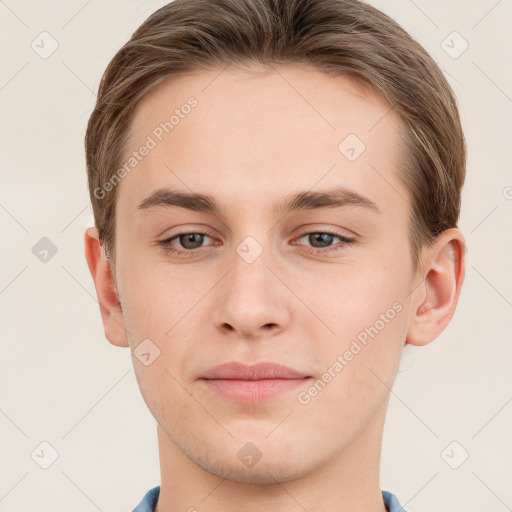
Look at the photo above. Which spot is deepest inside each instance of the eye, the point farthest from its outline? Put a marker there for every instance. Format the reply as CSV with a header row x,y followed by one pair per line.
x,y
189,243
321,241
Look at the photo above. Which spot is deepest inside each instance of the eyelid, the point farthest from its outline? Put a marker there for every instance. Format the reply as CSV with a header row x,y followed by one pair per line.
x,y
194,228
325,228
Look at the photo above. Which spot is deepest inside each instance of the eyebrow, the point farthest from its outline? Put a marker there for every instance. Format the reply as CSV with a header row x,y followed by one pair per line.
x,y
301,201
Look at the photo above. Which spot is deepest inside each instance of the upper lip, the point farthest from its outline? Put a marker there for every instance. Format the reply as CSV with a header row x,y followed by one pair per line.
x,y
259,371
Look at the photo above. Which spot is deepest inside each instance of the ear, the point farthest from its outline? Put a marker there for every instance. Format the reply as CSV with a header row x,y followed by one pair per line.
x,y
106,290
435,299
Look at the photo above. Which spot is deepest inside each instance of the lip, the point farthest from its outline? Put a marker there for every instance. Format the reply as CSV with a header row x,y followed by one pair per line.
x,y
241,383
259,371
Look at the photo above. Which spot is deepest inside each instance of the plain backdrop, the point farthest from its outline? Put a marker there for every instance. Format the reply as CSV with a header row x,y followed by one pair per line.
x,y
447,442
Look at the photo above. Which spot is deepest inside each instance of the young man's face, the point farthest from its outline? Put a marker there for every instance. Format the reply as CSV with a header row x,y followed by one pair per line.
x,y
260,286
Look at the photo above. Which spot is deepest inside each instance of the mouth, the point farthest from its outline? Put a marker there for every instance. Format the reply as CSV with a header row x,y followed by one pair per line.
x,y
252,384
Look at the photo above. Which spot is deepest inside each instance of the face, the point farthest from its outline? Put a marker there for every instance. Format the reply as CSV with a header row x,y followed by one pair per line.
x,y
319,283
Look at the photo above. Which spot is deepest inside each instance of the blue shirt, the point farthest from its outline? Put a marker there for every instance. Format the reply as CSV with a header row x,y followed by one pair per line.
x,y
149,501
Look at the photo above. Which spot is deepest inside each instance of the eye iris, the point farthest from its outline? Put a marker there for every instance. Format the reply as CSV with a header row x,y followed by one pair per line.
x,y
323,238
195,239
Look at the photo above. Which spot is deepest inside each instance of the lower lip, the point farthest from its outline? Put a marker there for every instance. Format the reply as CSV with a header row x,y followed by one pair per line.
x,y
252,391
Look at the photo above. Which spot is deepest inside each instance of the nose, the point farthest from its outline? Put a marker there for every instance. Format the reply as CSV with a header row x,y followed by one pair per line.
x,y
251,302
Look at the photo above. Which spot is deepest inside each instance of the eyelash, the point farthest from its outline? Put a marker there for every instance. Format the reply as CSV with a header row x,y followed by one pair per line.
x,y
168,247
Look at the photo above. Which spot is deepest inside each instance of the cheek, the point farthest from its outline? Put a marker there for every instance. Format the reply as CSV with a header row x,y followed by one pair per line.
x,y
156,300
354,299
163,307
368,316
360,362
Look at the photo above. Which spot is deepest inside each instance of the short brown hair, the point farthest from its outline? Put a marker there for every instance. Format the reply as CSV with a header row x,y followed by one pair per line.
x,y
338,37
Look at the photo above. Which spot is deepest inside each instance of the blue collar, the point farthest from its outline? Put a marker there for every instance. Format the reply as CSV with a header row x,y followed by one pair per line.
x,y
148,503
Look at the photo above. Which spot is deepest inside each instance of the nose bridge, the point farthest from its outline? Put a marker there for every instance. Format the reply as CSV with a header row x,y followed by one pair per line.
x,y
250,273
250,300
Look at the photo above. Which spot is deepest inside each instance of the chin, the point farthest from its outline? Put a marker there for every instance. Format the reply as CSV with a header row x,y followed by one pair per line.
x,y
276,469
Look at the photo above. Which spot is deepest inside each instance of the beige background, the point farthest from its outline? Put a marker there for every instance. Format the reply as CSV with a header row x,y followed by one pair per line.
x,y
64,384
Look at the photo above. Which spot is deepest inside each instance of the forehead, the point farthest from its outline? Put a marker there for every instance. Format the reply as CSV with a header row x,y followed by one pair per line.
x,y
262,132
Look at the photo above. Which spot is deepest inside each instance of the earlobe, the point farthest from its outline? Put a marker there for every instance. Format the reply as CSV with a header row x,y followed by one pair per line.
x,y
436,299
106,290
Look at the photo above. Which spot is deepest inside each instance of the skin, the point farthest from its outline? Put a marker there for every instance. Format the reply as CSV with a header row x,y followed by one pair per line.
x,y
255,137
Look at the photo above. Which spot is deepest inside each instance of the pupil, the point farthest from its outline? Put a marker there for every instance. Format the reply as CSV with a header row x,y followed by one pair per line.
x,y
324,238
189,238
